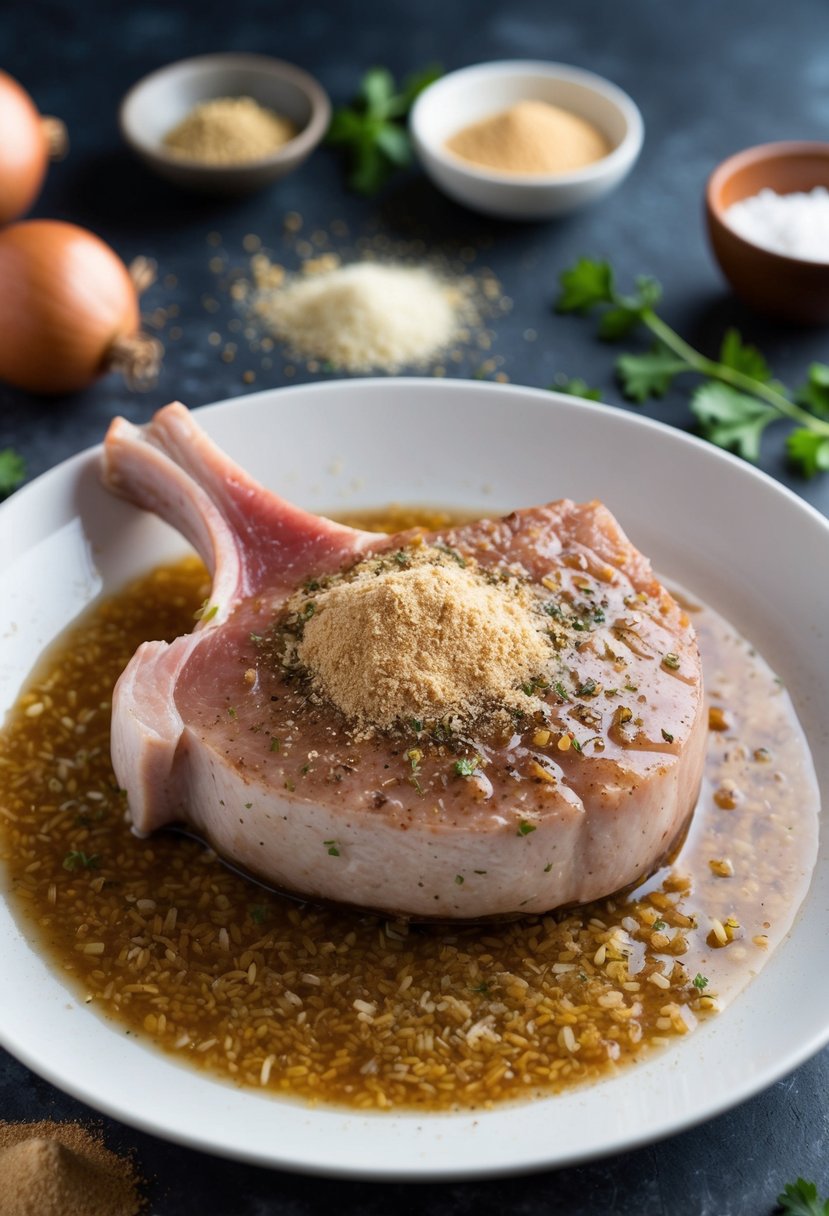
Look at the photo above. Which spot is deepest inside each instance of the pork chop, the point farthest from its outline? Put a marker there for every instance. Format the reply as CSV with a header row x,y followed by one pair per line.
x,y
580,795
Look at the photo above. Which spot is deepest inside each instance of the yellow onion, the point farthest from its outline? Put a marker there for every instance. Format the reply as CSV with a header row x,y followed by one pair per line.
x,y
27,143
69,310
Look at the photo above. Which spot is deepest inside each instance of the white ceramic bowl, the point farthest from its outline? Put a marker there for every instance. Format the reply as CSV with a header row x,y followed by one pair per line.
x,y
487,447
161,100
471,94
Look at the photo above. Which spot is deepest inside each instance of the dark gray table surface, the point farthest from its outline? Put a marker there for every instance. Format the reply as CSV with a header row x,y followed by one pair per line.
x,y
710,78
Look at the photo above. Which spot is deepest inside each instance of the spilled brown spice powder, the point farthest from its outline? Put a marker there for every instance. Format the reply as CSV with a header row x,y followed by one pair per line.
x,y
63,1169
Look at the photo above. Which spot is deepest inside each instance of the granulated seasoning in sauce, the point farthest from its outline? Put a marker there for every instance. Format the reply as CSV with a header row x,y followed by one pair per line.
x,y
330,1005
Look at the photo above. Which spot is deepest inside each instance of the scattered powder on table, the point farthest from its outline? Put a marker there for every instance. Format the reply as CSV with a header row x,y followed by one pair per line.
x,y
390,642
365,315
229,131
530,137
62,1169
794,224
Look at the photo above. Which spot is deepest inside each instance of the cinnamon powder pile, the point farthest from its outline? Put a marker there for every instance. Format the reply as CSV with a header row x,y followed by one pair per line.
x,y
62,1169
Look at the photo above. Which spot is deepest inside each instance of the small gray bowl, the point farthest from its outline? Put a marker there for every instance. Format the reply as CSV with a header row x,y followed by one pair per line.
x,y
161,100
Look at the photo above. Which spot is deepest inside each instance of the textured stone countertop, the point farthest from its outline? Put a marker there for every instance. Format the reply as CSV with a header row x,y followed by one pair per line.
x,y
710,78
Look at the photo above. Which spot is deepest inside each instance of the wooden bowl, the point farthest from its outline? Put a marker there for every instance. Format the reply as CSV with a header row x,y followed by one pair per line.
x,y
790,288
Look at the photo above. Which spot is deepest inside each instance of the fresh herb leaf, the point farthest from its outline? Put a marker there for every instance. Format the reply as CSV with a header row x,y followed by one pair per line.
x,y
737,354
459,879
332,848
275,744
372,132
810,452
731,419
258,912
524,828
585,285
659,925
801,1199
667,736
814,394
700,982
738,398
575,387
12,471
648,375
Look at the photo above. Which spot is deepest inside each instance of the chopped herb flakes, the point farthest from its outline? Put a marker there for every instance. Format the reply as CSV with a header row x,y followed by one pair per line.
x,y
332,848
700,981
524,828
77,859
467,766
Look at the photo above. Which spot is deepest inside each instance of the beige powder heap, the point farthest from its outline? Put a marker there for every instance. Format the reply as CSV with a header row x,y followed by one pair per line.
x,y
427,641
61,1169
530,137
365,315
229,131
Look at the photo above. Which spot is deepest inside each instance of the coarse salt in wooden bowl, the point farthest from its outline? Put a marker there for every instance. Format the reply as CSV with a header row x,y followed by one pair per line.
x,y
791,288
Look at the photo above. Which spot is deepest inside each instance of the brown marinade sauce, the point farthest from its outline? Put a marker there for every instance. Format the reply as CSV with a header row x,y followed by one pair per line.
x,y
331,1005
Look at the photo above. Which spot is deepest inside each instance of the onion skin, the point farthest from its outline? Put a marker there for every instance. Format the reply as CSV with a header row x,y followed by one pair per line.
x,y
68,308
24,150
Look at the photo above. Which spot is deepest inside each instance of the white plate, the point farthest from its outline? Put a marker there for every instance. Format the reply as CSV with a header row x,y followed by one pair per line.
x,y
736,538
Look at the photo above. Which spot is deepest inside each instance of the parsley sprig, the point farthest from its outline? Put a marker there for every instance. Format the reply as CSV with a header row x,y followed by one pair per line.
x,y
801,1199
372,129
738,397
12,471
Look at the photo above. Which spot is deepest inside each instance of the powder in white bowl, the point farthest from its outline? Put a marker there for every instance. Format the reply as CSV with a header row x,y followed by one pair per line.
x,y
796,225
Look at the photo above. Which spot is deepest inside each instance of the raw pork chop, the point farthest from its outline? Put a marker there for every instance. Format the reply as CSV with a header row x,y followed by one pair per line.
x,y
573,803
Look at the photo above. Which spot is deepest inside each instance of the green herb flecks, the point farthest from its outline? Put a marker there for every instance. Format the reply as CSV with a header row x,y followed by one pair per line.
x,y
258,913
667,736
332,848
524,828
77,859
700,982
372,130
738,397
467,766
12,471
206,611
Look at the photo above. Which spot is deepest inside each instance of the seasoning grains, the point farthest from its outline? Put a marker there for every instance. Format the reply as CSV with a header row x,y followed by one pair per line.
x,y
229,131
331,1005
63,1169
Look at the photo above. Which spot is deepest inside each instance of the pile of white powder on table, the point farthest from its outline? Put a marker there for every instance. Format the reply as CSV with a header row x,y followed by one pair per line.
x,y
365,315
793,224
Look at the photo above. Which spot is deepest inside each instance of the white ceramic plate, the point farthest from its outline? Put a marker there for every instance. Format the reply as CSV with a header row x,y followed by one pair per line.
x,y
736,538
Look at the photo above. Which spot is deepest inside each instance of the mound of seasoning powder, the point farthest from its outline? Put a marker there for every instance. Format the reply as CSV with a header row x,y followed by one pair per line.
x,y
366,315
530,137
61,1169
229,131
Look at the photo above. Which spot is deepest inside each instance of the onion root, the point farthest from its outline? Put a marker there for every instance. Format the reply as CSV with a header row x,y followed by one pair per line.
x,y
57,137
138,359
